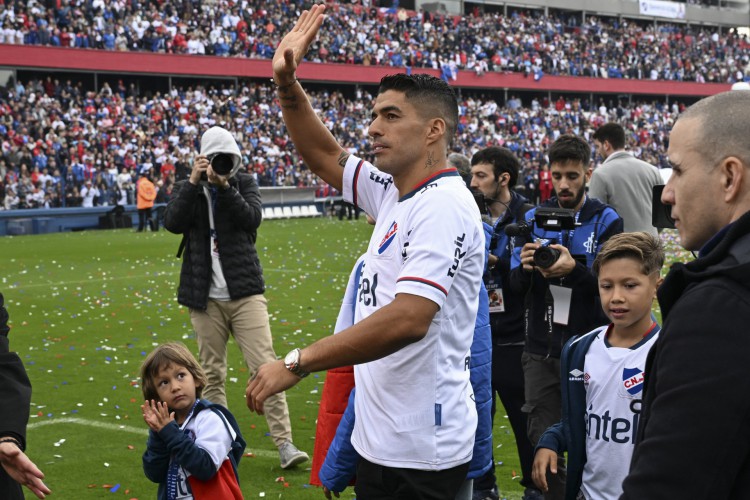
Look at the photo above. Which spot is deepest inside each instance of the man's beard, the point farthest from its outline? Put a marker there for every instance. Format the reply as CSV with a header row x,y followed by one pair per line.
x,y
572,204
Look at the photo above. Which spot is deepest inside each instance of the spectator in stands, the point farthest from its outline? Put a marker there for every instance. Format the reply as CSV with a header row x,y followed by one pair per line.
x,y
89,193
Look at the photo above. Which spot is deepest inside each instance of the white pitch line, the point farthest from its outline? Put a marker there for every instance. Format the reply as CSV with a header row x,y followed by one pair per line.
x,y
125,428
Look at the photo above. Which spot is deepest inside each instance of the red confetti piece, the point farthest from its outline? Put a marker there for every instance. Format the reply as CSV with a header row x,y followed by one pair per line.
x,y
286,485
280,479
131,447
249,454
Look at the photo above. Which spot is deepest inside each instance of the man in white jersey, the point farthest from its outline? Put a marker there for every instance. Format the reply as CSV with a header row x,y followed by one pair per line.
x,y
419,291
603,375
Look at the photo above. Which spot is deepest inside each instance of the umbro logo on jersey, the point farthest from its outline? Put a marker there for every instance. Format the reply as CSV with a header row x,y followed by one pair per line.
x,y
388,238
576,375
632,380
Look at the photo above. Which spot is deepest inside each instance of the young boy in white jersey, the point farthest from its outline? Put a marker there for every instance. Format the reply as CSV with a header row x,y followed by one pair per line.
x,y
603,374
191,453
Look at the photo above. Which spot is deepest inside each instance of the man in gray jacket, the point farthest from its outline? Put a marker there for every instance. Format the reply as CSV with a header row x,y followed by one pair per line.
x,y
623,181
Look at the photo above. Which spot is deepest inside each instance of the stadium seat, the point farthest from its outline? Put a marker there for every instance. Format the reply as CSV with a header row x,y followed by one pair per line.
x,y
287,213
296,212
277,213
268,213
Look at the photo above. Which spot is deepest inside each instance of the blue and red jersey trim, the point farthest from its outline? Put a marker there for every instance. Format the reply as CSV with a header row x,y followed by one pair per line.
x,y
448,172
424,282
357,171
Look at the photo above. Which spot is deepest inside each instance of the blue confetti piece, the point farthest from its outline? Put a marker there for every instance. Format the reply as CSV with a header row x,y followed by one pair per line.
x,y
49,414
64,382
108,358
72,348
73,411
114,387
115,488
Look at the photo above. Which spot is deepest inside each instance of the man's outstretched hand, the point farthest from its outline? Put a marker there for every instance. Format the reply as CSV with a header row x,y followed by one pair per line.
x,y
295,44
22,469
271,378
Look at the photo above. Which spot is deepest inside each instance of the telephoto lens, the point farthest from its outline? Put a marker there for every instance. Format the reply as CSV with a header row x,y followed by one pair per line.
x,y
222,163
545,257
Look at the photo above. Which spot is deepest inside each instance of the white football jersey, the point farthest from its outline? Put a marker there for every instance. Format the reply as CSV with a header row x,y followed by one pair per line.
x,y
414,408
614,380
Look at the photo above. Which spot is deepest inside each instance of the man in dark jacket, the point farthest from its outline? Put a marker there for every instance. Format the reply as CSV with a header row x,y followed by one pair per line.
x,y
218,210
15,394
494,171
561,300
694,431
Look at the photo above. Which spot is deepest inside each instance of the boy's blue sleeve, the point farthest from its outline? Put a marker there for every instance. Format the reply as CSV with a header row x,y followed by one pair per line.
x,y
190,456
553,439
340,464
155,458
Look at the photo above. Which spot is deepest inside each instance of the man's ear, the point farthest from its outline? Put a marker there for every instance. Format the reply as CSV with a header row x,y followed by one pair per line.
x,y
436,130
732,172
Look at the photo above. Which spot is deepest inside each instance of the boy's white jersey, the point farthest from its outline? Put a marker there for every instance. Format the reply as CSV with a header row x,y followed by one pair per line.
x,y
210,431
414,408
614,380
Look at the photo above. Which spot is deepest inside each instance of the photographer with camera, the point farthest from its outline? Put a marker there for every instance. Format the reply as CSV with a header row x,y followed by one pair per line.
x,y
494,171
218,210
551,271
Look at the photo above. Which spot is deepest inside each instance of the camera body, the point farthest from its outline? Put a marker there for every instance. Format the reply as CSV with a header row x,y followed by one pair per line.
x,y
548,219
221,163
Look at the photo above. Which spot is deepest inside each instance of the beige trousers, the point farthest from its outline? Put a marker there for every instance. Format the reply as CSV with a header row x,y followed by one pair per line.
x,y
247,320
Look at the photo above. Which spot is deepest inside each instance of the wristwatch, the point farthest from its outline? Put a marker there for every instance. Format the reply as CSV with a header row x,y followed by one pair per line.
x,y
291,361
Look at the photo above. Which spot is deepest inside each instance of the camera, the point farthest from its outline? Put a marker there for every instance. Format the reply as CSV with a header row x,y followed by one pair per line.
x,y
221,163
549,219
661,214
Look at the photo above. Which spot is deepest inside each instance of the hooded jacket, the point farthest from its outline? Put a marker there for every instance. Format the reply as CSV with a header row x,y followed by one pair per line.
x,y
237,216
694,433
598,222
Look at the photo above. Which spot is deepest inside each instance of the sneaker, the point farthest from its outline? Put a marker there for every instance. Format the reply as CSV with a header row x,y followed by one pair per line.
x,y
485,494
532,494
290,456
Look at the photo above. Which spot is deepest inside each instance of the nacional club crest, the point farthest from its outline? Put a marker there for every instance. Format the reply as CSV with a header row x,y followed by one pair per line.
x,y
632,380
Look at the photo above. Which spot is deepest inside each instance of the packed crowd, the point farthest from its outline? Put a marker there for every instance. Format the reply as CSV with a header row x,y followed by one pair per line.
x,y
527,41
64,145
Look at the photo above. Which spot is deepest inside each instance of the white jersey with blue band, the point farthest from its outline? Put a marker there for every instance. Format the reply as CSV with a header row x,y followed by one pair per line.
x,y
414,407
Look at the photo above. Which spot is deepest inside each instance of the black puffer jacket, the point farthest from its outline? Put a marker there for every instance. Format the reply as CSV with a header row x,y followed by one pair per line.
x,y
237,215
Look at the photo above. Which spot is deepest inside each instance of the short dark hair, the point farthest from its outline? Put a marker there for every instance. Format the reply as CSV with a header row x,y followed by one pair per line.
x,y
166,354
502,160
641,246
431,95
570,148
724,121
613,133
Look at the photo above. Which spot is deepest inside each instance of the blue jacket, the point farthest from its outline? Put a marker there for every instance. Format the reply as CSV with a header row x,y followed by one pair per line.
x,y
507,327
598,222
569,435
341,461
172,441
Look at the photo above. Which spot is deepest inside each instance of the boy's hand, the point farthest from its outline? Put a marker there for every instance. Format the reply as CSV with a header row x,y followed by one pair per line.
x,y
543,460
156,414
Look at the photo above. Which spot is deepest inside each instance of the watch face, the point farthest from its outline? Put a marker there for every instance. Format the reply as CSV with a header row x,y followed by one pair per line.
x,y
291,359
